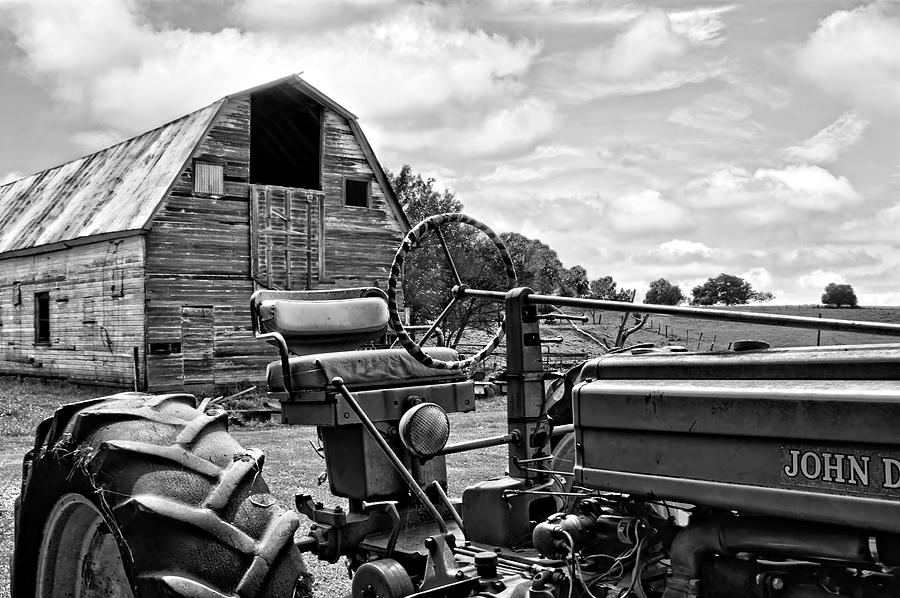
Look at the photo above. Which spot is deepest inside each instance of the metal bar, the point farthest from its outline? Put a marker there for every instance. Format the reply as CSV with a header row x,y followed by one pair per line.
x,y
471,445
436,486
562,430
439,332
417,491
449,257
698,313
437,321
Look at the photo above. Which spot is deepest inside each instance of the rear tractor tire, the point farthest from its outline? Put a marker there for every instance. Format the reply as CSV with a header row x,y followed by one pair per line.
x,y
147,496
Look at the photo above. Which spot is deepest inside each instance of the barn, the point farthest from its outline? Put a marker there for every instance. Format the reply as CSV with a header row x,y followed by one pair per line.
x,y
134,265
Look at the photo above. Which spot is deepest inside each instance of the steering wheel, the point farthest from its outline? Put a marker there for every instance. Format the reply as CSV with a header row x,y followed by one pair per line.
x,y
412,239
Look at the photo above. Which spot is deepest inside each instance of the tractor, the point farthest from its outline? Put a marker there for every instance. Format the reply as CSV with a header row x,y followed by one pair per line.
x,y
653,473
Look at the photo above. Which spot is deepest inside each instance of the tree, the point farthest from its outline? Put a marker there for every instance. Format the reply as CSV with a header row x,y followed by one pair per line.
x,y
418,197
537,264
604,288
663,292
726,289
575,282
838,294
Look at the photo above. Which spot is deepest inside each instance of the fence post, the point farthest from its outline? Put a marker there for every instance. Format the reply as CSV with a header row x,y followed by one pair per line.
x,y
819,334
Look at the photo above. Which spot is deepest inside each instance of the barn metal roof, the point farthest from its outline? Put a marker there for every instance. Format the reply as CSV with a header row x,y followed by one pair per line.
x,y
112,191
116,191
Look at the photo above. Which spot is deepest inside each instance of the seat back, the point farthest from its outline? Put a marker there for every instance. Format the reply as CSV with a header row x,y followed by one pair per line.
x,y
308,322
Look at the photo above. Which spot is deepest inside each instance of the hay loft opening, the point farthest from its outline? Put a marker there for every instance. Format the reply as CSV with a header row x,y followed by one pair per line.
x,y
285,139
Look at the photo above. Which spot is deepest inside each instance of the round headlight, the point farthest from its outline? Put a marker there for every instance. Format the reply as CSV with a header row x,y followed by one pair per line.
x,y
424,430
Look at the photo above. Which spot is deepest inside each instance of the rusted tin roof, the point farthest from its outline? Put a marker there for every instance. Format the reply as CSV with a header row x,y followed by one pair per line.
x,y
112,191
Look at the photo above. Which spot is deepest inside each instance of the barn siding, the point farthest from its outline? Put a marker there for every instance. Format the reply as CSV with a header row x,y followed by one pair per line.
x,y
96,312
199,254
198,271
359,242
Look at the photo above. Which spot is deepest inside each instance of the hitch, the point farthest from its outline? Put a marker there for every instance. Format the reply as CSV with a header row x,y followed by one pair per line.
x,y
335,533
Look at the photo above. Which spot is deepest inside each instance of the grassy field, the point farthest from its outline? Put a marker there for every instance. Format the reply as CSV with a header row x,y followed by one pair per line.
x,y
291,463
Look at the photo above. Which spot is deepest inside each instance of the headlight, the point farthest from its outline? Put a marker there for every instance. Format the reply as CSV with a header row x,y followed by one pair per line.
x,y
424,430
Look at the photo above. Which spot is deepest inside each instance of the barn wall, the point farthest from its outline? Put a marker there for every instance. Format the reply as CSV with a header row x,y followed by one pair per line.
x,y
96,309
359,242
198,273
199,257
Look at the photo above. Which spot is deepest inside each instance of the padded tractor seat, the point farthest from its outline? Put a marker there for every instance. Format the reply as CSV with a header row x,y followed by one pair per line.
x,y
363,369
315,330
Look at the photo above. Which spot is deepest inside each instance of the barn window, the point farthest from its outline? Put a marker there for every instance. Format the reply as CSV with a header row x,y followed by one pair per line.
x,y
42,317
285,139
165,348
17,294
356,192
209,178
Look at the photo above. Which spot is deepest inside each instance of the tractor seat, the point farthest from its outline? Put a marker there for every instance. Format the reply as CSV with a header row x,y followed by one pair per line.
x,y
363,369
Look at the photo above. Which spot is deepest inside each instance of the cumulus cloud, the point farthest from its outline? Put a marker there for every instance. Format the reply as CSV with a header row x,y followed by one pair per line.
x,y
759,277
644,211
828,144
680,249
653,53
126,74
769,192
855,55
516,128
817,279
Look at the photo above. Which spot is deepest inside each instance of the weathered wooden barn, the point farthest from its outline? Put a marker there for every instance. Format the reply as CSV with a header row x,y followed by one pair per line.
x,y
139,260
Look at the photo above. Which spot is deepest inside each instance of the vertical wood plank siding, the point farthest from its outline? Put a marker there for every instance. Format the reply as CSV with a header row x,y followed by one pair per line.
x,y
96,312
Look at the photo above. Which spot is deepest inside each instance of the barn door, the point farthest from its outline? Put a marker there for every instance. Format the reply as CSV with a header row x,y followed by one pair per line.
x,y
285,231
197,347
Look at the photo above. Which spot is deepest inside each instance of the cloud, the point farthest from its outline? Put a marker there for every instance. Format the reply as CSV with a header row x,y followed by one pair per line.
x,y
508,130
855,55
9,177
766,194
653,53
828,144
701,25
720,113
817,279
678,249
644,211
650,42
759,277
125,74
93,141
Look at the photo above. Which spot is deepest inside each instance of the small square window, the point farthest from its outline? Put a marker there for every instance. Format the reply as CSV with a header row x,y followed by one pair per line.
x,y
209,178
356,193
42,318
165,348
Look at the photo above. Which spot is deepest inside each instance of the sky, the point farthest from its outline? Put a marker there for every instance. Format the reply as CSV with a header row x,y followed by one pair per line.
x,y
672,139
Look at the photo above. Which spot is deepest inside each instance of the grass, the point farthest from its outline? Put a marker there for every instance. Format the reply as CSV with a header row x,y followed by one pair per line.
x,y
291,463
